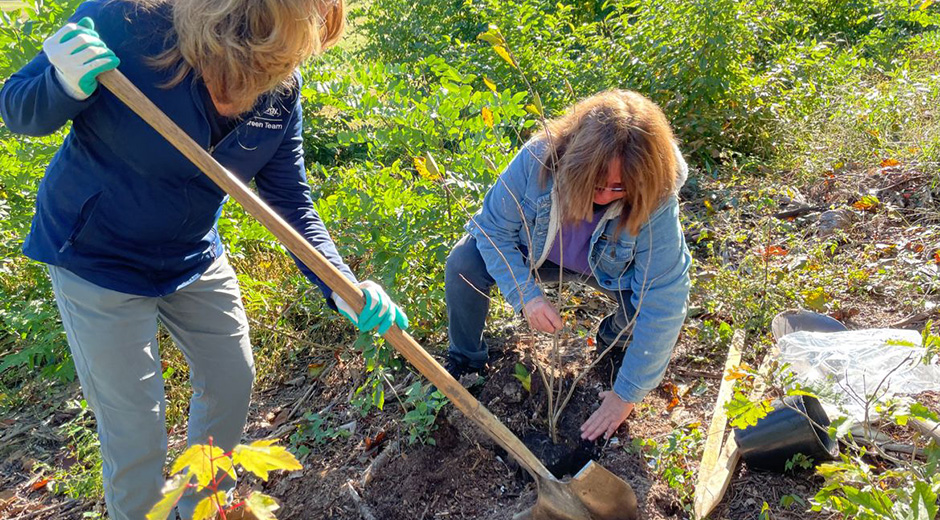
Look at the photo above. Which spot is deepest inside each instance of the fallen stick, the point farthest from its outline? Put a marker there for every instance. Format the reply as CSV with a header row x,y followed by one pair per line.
x,y
67,505
379,461
706,497
364,510
928,428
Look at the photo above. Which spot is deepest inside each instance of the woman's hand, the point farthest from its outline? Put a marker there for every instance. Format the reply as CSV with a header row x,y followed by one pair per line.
x,y
606,419
79,56
542,315
379,312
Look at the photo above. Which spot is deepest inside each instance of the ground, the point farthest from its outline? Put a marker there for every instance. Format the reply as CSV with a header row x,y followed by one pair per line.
x,y
464,475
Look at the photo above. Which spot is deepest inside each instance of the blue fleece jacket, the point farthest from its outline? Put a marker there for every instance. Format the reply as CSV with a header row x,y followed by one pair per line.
x,y
119,206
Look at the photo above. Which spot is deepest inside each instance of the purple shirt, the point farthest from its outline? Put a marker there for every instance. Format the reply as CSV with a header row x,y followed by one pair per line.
x,y
574,241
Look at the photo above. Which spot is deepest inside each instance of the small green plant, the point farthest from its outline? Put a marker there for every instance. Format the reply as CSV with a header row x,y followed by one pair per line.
x,y
524,376
764,512
797,462
930,342
673,457
315,430
82,478
204,467
856,489
791,499
422,414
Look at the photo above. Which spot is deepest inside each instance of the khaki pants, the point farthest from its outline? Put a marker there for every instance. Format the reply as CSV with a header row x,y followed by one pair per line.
x,y
113,340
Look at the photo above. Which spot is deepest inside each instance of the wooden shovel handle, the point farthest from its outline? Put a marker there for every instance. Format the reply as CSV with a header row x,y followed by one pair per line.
x,y
121,87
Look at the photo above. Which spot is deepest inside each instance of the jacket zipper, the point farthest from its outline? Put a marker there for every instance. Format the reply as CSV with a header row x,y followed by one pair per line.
x,y
209,147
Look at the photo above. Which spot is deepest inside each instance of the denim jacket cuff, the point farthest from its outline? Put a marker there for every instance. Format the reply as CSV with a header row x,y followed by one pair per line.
x,y
629,392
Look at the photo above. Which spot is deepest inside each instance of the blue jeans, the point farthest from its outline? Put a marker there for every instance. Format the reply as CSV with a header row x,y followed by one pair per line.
x,y
467,287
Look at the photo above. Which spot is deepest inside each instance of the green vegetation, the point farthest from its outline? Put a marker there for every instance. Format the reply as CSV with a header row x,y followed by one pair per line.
x,y
407,129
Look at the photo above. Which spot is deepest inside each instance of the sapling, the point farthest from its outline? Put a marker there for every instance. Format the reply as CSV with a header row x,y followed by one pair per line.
x,y
204,467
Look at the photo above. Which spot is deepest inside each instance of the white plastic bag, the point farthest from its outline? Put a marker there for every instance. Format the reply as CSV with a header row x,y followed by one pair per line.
x,y
851,368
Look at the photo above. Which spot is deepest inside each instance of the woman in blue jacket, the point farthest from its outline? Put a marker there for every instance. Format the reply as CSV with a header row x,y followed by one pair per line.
x,y
128,227
592,198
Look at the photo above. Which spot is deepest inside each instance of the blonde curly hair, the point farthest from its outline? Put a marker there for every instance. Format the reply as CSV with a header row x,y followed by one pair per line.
x,y
582,142
245,48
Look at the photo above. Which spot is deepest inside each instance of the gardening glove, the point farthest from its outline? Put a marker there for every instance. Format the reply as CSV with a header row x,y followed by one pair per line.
x,y
379,311
79,56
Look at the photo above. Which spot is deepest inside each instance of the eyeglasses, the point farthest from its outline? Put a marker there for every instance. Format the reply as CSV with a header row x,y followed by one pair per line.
x,y
606,188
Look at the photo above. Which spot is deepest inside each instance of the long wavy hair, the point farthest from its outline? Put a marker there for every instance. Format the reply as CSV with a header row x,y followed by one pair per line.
x,y
582,142
245,48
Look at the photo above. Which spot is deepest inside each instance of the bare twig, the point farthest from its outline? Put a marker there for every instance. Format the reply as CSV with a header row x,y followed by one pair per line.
x,y
364,510
381,460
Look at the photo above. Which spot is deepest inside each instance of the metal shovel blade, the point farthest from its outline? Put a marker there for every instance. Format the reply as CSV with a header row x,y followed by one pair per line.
x,y
593,494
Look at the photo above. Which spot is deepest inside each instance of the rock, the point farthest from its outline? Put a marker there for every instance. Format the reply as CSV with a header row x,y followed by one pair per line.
x,y
513,392
350,427
830,221
297,381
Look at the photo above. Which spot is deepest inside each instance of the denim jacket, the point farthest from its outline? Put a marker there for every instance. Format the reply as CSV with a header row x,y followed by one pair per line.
x,y
514,232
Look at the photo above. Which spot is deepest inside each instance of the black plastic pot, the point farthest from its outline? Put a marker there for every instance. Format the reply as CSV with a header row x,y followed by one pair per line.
x,y
798,424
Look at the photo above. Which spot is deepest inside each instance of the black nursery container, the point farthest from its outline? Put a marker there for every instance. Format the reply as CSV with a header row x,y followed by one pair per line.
x,y
798,424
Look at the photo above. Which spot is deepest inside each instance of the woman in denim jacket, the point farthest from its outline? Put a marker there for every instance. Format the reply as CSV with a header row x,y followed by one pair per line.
x,y
592,198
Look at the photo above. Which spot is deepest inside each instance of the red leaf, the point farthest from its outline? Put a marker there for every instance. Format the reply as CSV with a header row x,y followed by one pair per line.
x,y
770,251
39,484
376,441
936,257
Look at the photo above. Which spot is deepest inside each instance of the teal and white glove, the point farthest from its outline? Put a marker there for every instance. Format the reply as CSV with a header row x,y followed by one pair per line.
x,y
79,56
379,311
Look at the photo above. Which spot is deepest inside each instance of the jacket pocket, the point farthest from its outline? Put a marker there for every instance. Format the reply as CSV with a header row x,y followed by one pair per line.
x,y
613,256
81,224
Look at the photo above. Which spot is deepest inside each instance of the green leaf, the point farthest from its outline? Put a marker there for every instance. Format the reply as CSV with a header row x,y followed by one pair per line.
x,y
261,457
172,491
431,165
204,462
800,391
839,427
262,506
742,412
816,299
523,375
919,411
208,507
923,502
537,101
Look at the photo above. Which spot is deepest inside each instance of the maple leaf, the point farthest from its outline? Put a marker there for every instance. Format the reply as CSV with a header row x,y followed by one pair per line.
x,y
262,506
208,507
204,462
742,412
172,491
261,457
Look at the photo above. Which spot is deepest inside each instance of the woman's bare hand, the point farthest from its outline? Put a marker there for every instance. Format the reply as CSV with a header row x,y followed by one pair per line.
x,y
542,315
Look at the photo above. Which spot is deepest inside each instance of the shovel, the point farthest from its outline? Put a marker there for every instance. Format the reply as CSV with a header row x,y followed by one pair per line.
x,y
593,494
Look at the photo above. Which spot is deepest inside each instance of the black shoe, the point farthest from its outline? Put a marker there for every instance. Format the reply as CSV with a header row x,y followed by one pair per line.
x,y
612,360
458,369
